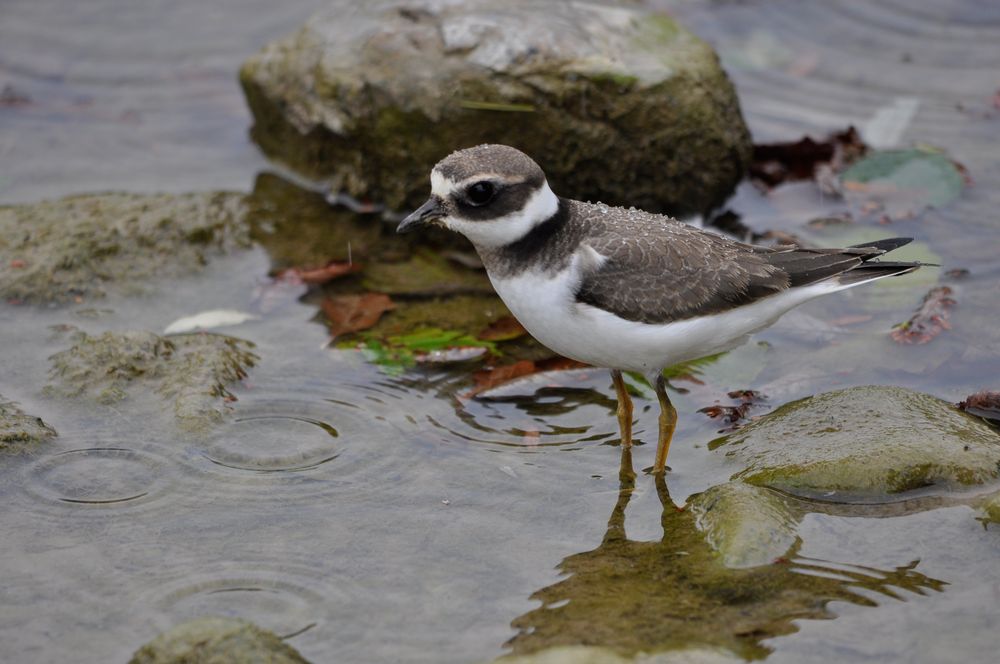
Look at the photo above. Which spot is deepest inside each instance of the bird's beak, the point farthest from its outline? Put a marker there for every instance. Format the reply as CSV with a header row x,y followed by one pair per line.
x,y
422,216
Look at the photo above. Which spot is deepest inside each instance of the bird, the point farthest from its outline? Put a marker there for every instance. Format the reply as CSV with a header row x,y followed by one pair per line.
x,y
621,288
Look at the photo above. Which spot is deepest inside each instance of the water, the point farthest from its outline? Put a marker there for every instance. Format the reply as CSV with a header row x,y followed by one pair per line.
x,y
374,518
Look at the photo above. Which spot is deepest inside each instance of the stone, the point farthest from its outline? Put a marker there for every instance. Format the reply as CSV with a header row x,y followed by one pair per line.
x,y
82,247
190,371
615,103
217,641
19,430
745,524
864,444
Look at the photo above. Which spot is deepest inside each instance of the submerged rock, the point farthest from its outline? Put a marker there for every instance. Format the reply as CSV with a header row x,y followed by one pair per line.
x,y
615,103
18,430
190,370
864,444
85,246
747,525
217,641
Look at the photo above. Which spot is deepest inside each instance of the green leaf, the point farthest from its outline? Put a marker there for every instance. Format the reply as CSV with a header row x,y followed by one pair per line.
x,y
916,178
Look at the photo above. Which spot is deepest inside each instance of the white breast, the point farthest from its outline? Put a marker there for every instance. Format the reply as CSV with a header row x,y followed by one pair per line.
x,y
547,307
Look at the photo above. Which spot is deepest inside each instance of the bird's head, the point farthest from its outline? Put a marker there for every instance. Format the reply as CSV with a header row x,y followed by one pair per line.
x,y
491,194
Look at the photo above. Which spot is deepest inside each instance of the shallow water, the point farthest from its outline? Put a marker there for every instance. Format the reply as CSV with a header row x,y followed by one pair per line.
x,y
374,518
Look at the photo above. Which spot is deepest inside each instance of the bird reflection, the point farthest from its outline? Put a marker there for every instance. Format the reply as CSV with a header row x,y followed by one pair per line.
x,y
675,593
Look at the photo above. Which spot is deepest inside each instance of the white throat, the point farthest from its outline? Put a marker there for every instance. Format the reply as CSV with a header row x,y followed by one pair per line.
x,y
501,231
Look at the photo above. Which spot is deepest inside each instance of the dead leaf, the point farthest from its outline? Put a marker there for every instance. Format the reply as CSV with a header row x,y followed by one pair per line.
x,y
353,313
775,163
983,404
319,275
503,329
450,355
734,415
929,320
490,378
487,379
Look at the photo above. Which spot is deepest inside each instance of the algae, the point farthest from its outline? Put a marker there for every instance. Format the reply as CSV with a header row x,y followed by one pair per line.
x,y
864,444
190,371
83,247
20,431
214,640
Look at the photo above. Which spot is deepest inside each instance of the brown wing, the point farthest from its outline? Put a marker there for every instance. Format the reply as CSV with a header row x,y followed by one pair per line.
x,y
659,270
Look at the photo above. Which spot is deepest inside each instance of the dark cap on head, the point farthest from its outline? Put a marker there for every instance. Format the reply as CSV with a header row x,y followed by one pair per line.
x,y
500,160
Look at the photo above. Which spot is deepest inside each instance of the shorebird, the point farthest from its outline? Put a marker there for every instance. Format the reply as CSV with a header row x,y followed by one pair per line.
x,y
622,288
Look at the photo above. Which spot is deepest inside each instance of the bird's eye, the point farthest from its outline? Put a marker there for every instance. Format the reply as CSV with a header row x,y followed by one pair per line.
x,y
480,193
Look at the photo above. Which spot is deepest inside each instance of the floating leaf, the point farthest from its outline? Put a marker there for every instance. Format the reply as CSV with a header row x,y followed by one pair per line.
x,y
903,182
776,163
398,352
319,275
930,320
207,320
503,329
734,415
353,313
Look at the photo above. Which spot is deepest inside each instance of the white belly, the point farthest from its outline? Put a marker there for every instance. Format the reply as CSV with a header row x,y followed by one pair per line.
x,y
547,308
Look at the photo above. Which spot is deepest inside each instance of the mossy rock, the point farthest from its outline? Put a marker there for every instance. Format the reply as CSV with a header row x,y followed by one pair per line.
x,y
747,525
190,371
20,431
990,507
864,444
82,247
615,103
217,641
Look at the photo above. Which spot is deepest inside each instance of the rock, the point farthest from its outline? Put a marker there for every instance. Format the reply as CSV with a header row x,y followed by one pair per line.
x,y
990,507
615,103
190,370
747,525
84,246
599,655
18,430
217,641
864,444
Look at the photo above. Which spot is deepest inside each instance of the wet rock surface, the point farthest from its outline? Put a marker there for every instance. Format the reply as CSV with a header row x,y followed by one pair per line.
x,y
192,371
217,641
747,525
19,430
864,444
615,103
82,247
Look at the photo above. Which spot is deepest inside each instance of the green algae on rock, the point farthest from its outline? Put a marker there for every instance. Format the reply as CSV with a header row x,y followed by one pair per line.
x,y
747,525
191,370
87,245
20,431
864,444
615,103
215,640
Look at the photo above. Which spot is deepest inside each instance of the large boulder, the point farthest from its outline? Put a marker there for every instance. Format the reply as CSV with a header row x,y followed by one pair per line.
x,y
615,103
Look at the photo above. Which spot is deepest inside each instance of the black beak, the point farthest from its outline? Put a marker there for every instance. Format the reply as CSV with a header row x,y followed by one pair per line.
x,y
422,216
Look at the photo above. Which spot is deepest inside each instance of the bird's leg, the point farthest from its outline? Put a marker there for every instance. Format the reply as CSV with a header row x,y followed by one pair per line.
x,y
668,421
624,408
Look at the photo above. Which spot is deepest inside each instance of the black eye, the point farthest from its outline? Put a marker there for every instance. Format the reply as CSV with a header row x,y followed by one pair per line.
x,y
480,193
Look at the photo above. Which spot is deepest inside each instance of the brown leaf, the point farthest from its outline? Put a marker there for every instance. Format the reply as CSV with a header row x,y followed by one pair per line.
x,y
774,163
983,404
734,415
353,313
489,378
319,275
929,320
502,329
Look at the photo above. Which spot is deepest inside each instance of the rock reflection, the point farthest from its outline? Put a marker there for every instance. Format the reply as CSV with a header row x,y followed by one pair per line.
x,y
675,593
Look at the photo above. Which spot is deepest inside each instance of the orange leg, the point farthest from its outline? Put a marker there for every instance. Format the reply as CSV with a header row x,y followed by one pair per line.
x,y
668,422
624,408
